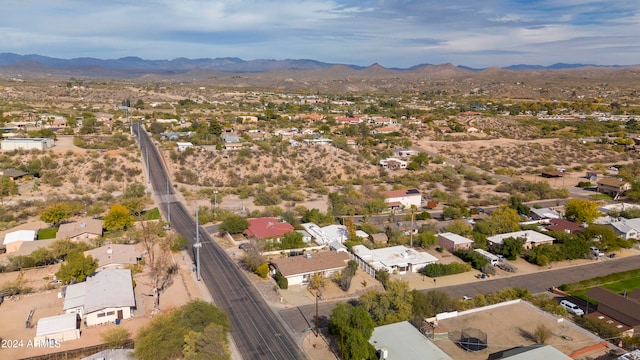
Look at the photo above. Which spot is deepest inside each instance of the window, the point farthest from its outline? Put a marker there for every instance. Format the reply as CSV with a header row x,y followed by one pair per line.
x,y
101,315
111,313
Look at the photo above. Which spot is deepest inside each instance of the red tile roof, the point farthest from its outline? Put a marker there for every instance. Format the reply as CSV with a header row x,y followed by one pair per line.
x,y
267,228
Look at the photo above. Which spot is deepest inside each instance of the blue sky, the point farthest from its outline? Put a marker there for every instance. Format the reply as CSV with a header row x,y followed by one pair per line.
x,y
393,33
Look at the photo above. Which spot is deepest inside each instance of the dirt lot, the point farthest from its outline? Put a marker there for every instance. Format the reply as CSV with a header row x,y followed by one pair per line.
x,y
513,325
14,311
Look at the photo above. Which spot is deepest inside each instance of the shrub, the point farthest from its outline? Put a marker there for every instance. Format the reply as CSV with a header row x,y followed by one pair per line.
x,y
115,338
435,270
282,281
262,270
508,267
488,269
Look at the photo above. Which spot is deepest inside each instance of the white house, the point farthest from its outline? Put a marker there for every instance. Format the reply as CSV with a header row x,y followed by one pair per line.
x,y
395,259
54,329
454,242
298,269
403,198
182,146
393,163
331,233
627,228
402,340
41,144
104,297
531,238
13,240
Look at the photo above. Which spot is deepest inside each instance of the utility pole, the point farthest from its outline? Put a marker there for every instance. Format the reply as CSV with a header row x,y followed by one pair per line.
x,y
146,150
413,214
197,246
317,296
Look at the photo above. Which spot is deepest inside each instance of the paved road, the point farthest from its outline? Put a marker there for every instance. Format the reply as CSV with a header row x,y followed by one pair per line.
x,y
257,331
299,318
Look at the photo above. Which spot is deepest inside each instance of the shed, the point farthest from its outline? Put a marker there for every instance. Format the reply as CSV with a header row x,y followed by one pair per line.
x,y
58,328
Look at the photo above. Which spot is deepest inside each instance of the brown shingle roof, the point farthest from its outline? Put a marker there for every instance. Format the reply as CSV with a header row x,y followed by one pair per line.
x,y
87,225
296,265
629,307
611,182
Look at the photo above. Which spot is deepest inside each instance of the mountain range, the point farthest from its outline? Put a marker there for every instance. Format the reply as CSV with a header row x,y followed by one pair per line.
x,y
136,66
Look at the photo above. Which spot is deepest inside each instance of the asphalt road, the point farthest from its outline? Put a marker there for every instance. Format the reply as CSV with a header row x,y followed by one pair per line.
x,y
257,331
300,318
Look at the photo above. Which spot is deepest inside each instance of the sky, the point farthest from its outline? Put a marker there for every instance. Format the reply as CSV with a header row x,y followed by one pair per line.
x,y
392,33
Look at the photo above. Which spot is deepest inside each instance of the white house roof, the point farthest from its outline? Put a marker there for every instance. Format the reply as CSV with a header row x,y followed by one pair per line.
x,y
74,296
403,341
546,213
388,257
529,235
546,352
455,238
19,235
108,288
56,324
623,226
336,233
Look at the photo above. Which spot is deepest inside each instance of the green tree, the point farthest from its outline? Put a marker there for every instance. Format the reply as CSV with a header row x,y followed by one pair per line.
x,y
292,240
504,219
353,326
393,305
165,337
118,218
429,304
234,224
56,213
511,248
211,343
460,227
8,187
581,210
76,268
134,190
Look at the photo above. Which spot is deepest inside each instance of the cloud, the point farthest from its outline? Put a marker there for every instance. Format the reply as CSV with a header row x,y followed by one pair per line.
x,y
394,33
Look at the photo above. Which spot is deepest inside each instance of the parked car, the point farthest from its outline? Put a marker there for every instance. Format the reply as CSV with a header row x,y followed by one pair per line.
x,y
571,307
55,282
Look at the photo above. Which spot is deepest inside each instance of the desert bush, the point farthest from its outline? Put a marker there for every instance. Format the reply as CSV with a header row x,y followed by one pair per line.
x,y
262,270
508,267
488,269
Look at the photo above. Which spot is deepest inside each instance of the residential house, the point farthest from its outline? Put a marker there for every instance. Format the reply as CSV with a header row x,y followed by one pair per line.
x,y
267,228
82,230
625,309
626,228
536,351
298,269
531,238
352,142
402,340
385,130
379,238
105,297
454,242
393,163
14,240
13,173
348,120
543,214
233,146
395,259
230,138
244,119
613,187
57,329
623,329
182,146
331,233
403,198
320,140
115,256
41,144
564,226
